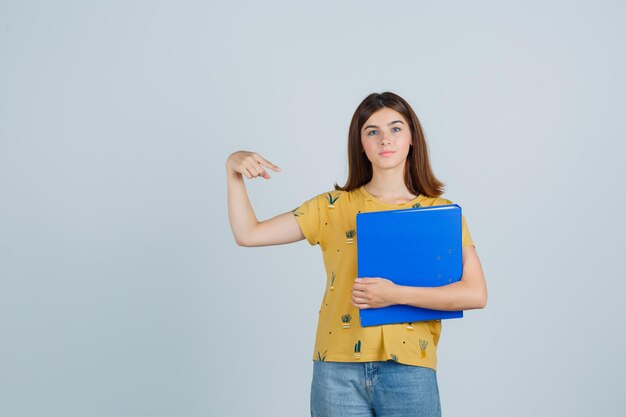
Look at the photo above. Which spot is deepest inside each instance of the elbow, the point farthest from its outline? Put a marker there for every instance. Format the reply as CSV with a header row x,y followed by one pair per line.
x,y
481,301
476,301
246,238
241,242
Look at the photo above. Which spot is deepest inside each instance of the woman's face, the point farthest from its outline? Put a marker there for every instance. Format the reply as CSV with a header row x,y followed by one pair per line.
x,y
386,131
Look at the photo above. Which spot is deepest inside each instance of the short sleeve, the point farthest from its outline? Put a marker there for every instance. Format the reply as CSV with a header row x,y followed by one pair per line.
x,y
308,217
466,237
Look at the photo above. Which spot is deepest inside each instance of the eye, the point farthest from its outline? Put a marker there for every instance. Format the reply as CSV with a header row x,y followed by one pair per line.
x,y
371,131
397,128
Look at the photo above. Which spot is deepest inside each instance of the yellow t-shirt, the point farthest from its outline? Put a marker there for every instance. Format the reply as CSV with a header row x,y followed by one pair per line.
x,y
329,220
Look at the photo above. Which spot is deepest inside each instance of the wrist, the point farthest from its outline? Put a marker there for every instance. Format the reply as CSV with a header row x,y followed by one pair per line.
x,y
232,173
399,294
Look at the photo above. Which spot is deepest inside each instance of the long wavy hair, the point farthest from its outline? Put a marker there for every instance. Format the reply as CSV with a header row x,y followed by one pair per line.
x,y
418,175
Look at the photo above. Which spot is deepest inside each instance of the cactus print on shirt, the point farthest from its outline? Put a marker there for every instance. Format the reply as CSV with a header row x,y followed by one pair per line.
x,y
329,220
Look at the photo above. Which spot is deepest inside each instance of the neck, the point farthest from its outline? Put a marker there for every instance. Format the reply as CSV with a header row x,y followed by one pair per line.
x,y
388,185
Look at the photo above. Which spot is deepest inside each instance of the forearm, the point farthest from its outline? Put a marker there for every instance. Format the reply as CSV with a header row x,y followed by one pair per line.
x,y
240,212
452,297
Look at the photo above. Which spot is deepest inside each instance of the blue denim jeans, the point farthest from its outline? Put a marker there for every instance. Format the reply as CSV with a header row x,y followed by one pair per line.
x,y
381,389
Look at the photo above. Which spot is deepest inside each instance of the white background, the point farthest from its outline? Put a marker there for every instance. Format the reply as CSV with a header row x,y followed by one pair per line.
x,y
122,290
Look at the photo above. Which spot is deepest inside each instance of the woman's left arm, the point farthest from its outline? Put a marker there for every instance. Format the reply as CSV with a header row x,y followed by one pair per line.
x,y
467,294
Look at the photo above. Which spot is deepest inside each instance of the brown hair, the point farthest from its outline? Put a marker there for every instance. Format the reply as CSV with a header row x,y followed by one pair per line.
x,y
418,175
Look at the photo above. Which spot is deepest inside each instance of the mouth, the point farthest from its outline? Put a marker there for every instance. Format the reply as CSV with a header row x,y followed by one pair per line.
x,y
386,153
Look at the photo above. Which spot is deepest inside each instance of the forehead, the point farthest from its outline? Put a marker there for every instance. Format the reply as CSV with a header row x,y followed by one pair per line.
x,y
383,116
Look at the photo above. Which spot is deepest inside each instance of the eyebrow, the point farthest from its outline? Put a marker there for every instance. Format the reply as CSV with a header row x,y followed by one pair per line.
x,y
388,124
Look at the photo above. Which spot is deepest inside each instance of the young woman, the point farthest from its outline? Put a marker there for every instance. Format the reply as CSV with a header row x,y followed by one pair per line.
x,y
387,370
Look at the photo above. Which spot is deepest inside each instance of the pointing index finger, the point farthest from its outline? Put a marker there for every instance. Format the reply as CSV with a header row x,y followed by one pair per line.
x,y
268,163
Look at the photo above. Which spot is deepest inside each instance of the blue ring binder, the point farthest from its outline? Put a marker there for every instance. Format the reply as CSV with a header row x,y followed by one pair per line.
x,y
418,246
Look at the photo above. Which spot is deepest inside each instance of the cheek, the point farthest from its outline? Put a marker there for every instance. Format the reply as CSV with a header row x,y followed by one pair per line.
x,y
406,143
368,146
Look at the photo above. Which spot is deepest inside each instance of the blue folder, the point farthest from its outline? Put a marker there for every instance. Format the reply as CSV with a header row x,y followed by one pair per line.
x,y
419,247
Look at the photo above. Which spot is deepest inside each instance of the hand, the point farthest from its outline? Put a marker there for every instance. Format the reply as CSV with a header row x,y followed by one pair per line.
x,y
249,164
374,292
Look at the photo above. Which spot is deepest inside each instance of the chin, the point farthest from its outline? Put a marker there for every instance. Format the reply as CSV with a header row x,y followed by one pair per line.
x,y
396,159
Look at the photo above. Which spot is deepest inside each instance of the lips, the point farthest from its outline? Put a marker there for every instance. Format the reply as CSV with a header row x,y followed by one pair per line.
x,y
386,153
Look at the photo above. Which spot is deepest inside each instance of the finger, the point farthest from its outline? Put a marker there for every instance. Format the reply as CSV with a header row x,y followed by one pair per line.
x,y
254,169
358,299
261,171
267,163
247,173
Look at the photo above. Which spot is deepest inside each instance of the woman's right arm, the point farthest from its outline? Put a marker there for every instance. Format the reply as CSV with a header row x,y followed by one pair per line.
x,y
248,231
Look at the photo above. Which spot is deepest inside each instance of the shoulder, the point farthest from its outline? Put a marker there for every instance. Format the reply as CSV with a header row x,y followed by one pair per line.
x,y
332,196
337,202
435,201
326,198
